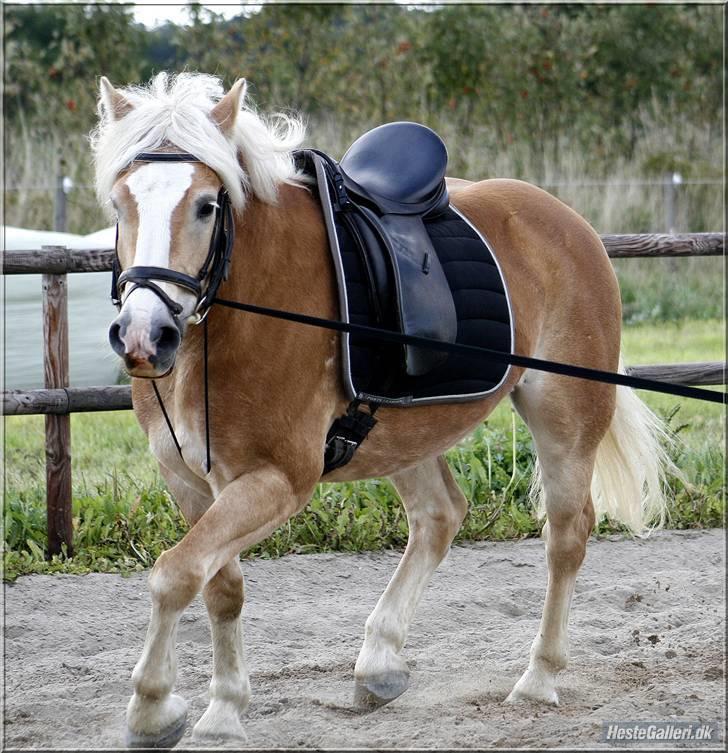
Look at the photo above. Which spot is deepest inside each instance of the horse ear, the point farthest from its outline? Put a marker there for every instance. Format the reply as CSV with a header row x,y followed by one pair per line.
x,y
113,101
226,110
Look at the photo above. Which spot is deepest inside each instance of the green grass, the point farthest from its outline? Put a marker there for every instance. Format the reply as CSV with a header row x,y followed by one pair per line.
x,y
681,342
671,290
124,517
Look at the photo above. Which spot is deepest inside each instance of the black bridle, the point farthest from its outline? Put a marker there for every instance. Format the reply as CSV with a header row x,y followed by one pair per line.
x,y
204,286
213,272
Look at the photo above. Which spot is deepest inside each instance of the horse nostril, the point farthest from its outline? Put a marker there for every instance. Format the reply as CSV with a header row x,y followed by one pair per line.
x,y
168,339
115,339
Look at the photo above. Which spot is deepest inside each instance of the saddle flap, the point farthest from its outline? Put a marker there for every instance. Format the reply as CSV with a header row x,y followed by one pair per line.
x,y
399,167
425,306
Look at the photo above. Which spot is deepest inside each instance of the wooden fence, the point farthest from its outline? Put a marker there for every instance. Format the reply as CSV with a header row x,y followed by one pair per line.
x,y
58,400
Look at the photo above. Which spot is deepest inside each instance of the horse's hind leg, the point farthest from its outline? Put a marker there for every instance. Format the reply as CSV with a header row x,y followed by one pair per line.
x,y
230,686
567,419
435,509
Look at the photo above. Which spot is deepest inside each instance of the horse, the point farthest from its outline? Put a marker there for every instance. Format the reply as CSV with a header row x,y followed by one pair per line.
x,y
274,387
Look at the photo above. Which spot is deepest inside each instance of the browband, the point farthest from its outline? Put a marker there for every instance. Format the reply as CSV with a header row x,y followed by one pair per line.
x,y
166,157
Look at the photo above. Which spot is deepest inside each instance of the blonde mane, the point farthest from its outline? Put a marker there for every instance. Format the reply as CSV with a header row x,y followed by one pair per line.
x,y
175,110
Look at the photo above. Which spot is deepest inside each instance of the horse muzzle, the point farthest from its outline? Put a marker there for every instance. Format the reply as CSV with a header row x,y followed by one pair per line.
x,y
148,348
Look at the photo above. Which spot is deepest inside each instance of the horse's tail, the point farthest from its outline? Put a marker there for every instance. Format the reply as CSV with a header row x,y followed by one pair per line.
x,y
629,484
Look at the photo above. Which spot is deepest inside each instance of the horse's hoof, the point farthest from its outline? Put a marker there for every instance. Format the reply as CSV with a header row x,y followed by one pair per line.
x,y
378,690
536,687
547,699
221,721
165,739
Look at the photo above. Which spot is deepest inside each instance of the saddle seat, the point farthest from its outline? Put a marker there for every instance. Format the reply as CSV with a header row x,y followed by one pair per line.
x,y
399,168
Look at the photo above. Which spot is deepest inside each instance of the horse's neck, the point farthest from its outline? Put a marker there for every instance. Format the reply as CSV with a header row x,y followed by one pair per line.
x,y
281,251
261,369
281,260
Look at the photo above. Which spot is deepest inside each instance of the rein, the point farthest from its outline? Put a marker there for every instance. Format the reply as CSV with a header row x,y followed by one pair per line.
x,y
486,354
216,268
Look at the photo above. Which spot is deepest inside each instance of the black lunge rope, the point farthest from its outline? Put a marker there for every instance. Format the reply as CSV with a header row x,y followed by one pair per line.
x,y
207,404
488,354
208,460
166,418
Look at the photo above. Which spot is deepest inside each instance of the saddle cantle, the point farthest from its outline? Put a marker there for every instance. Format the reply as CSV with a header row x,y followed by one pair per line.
x,y
405,260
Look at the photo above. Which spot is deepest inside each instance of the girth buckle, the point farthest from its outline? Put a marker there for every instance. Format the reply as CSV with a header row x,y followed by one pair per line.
x,y
347,433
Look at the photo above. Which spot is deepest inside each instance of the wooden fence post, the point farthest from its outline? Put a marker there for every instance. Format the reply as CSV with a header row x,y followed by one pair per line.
x,y
60,201
57,427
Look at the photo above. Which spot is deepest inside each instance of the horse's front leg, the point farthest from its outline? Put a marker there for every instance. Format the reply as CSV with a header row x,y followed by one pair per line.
x,y
244,513
230,685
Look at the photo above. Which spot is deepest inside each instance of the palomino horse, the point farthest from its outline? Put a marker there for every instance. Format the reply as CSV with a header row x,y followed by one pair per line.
x,y
275,387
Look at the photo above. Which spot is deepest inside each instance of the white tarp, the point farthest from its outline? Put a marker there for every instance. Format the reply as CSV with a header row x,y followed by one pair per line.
x,y
90,312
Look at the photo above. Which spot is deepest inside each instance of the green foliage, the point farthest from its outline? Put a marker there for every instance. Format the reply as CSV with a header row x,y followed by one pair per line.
x,y
550,94
110,535
504,66
54,52
671,290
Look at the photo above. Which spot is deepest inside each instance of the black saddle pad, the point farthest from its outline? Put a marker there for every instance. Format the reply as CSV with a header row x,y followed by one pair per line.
x,y
372,370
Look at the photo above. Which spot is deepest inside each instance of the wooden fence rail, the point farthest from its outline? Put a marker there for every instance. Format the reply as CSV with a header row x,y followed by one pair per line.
x,y
659,244
57,401
60,260
68,400
91,399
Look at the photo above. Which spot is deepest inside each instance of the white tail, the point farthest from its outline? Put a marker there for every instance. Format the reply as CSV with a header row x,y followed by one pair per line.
x,y
632,466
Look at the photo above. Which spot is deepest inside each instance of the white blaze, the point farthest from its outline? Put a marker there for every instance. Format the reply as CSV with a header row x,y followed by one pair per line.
x,y
157,188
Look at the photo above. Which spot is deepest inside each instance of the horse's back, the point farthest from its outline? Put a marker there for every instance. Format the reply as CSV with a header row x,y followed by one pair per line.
x,y
554,262
514,210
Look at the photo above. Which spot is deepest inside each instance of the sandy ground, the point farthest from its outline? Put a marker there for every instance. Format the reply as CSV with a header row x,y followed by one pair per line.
x,y
647,637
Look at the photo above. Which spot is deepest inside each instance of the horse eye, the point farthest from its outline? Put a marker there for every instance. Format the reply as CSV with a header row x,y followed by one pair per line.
x,y
206,210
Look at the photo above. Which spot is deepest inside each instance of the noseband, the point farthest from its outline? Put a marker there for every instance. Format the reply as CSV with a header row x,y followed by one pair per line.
x,y
212,273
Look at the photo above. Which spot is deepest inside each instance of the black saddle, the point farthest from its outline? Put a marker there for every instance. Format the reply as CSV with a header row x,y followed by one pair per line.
x,y
398,168
405,260
389,181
